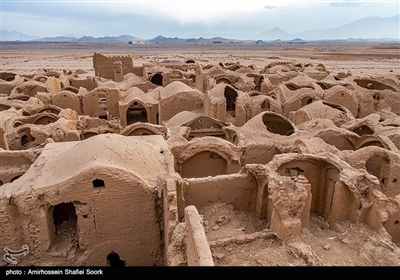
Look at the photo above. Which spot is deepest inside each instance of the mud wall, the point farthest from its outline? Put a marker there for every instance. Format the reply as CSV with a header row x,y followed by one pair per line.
x,y
197,250
238,189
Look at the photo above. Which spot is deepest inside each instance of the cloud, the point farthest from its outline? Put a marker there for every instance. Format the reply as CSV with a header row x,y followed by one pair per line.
x,y
147,19
348,3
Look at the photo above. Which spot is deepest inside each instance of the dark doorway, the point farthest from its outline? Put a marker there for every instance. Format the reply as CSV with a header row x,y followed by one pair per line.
x,y
65,224
230,96
136,113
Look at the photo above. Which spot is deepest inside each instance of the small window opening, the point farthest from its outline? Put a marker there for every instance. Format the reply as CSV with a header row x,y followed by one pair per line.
x,y
157,79
97,183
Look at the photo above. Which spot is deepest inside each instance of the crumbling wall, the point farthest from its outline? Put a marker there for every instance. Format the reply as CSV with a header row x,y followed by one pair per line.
x,y
198,251
239,189
104,65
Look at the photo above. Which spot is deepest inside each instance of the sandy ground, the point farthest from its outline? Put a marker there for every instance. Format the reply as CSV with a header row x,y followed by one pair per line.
x,y
358,245
373,59
244,240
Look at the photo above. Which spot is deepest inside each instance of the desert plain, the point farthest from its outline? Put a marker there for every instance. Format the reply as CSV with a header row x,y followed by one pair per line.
x,y
359,58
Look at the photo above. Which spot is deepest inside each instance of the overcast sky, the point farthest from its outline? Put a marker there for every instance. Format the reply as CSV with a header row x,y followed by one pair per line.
x,y
184,19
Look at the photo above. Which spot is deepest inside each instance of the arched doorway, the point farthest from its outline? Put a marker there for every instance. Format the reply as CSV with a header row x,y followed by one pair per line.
x,y
230,95
136,113
322,176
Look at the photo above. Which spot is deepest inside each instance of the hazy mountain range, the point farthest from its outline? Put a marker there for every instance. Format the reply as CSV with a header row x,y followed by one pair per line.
x,y
365,28
370,28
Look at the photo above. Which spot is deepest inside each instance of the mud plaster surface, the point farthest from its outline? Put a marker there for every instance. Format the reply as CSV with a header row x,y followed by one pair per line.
x,y
358,245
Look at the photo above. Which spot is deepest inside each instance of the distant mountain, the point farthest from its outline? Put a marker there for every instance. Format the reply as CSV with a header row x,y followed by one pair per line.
x,y
90,39
365,28
56,39
165,40
274,34
162,39
16,36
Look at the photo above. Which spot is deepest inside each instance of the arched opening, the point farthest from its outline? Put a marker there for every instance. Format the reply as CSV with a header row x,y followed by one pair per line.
x,y
136,113
65,224
277,124
157,79
334,106
364,129
140,132
204,164
258,83
223,80
372,84
306,100
265,106
292,86
322,176
371,143
6,76
70,89
230,95
26,139
49,110
17,123
43,120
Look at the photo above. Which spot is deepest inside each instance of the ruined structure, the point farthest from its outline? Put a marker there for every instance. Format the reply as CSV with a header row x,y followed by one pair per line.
x,y
139,160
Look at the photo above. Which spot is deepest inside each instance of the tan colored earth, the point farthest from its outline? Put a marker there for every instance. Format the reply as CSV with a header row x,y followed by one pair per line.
x,y
357,245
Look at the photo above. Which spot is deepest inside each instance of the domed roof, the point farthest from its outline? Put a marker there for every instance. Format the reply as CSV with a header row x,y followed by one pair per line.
x,y
147,157
174,88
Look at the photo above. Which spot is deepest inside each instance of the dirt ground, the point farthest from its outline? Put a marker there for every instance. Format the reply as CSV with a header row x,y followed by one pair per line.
x,y
372,59
238,238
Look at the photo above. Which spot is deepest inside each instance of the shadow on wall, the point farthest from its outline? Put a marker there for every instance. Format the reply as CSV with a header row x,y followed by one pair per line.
x,y
113,259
